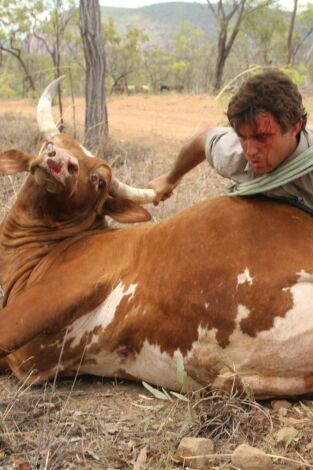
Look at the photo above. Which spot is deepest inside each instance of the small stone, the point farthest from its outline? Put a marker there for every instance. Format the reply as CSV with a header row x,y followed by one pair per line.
x,y
246,457
281,404
197,447
284,434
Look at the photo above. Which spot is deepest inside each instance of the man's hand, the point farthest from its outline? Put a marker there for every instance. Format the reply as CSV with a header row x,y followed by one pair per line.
x,y
163,188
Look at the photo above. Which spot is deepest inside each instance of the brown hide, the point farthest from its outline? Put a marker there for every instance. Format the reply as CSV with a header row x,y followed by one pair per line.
x,y
186,272
65,195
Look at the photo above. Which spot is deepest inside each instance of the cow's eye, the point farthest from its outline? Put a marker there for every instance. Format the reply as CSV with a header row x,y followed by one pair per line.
x,y
102,184
94,178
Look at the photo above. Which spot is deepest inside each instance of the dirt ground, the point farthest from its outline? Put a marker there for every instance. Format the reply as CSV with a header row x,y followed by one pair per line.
x,y
94,423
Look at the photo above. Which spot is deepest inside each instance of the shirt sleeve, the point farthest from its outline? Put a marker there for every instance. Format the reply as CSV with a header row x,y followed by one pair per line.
x,y
224,153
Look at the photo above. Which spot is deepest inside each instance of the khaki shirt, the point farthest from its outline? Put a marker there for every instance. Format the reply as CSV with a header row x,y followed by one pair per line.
x,y
224,153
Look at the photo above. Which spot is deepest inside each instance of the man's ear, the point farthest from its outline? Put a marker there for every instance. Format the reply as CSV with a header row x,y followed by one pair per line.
x,y
297,126
14,161
125,211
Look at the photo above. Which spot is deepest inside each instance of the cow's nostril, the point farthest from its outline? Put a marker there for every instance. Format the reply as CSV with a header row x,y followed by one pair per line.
x,y
72,168
52,153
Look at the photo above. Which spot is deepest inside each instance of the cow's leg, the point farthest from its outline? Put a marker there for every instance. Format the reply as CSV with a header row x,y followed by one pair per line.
x,y
46,307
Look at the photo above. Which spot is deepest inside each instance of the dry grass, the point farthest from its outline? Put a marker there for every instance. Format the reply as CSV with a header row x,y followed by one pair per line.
x,y
93,423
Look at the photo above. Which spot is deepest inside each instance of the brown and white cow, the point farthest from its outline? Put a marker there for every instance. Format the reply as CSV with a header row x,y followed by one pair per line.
x,y
226,284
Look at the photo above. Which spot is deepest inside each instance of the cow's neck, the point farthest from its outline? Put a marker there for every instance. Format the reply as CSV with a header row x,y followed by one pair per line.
x,y
28,235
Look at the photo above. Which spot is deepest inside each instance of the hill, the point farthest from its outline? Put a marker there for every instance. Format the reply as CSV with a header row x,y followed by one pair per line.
x,y
161,20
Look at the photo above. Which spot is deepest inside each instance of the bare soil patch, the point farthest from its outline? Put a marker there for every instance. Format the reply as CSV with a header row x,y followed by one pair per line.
x,y
96,423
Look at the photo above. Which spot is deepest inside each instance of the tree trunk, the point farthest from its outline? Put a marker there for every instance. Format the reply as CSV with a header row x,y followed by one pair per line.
x,y
96,118
290,34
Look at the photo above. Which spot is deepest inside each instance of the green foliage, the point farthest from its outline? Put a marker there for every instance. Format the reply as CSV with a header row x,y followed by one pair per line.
x,y
124,57
264,36
147,46
157,64
6,89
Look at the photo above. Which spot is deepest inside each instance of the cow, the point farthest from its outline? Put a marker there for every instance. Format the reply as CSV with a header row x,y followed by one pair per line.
x,y
224,287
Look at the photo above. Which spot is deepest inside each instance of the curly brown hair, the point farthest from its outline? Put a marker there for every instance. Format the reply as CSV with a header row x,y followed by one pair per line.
x,y
272,92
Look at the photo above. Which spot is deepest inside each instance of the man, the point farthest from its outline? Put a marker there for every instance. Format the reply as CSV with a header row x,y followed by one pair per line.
x,y
268,127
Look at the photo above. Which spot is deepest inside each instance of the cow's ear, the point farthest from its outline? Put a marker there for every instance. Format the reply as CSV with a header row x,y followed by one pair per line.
x,y
125,211
13,161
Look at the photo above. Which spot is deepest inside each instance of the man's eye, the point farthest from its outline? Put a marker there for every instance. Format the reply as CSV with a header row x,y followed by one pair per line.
x,y
261,137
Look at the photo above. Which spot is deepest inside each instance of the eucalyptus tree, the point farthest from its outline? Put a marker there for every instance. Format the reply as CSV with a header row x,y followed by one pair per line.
x,y
55,30
191,58
229,15
291,31
262,39
16,23
96,116
125,55
302,48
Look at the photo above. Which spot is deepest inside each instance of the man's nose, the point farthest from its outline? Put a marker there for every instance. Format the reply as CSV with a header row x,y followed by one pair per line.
x,y
250,147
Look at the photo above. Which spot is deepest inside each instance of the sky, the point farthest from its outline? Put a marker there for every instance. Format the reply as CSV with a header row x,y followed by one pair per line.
x,y
287,4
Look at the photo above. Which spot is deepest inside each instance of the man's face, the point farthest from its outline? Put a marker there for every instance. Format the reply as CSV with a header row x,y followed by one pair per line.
x,y
265,144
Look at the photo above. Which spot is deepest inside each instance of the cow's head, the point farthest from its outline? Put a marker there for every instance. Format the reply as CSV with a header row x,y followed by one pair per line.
x,y
70,177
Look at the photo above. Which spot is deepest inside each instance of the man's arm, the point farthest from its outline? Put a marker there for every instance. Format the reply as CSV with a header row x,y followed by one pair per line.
x,y
190,155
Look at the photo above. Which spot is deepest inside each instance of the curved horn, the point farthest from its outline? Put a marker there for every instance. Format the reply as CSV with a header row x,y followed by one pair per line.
x,y
44,112
142,196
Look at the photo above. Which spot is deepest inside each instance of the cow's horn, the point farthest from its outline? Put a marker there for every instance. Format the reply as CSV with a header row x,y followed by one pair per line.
x,y
142,196
44,112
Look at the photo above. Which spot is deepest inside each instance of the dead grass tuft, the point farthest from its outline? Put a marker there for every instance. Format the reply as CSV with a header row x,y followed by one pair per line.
x,y
228,416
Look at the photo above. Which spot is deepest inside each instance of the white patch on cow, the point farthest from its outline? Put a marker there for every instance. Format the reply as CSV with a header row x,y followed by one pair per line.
x,y
102,316
150,364
163,372
304,276
243,312
244,277
274,361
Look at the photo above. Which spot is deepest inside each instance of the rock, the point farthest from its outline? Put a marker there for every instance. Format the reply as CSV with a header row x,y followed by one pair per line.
x,y
284,434
281,404
196,447
246,457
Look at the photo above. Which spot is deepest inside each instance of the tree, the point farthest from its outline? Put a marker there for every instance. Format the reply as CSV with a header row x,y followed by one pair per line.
x,y
54,34
229,16
304,31
191,57
16,21
157,63
124,54
96,116
290,34
263,38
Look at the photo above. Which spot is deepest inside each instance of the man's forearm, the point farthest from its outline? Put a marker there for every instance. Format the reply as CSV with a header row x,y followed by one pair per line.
x,y
190,155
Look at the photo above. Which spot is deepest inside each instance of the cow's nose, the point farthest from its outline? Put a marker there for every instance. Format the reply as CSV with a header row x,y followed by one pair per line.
x,y
50,149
